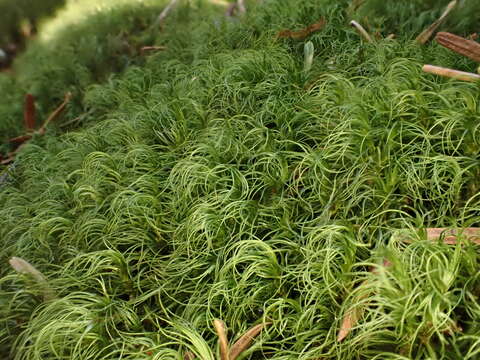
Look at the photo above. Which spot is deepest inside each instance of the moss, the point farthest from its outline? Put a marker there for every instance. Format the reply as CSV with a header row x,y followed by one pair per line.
x,y
219,179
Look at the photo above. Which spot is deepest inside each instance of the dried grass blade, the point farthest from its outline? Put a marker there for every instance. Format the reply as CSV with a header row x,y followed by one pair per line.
x,y
460,45
221,330
454,74
245,341
426,34
24,267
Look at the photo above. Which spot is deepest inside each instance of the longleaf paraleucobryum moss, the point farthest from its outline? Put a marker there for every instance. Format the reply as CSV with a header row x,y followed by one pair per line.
x,y
219,179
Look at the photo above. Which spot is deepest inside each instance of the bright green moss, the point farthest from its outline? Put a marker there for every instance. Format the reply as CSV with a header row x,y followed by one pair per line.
x,y
219,180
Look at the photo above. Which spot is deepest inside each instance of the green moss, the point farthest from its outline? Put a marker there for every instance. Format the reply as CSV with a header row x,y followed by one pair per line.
x,y
218,179
17,12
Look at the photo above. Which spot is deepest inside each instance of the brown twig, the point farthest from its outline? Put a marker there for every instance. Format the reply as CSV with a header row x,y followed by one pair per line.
x,y
454,74
56,113
20,139
426,34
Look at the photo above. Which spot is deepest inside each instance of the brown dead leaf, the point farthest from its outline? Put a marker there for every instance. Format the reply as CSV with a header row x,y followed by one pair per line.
x,y
302,34
361,30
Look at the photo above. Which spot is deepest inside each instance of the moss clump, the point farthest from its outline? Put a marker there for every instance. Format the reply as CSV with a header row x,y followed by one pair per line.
x,y
82,46
409,18
222,180
18,13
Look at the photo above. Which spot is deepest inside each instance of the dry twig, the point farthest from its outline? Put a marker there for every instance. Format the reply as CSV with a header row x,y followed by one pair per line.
x,y
189,356
352,316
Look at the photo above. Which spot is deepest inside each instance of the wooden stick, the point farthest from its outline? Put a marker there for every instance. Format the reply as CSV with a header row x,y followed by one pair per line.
x,y
454,74
361,31
426,34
